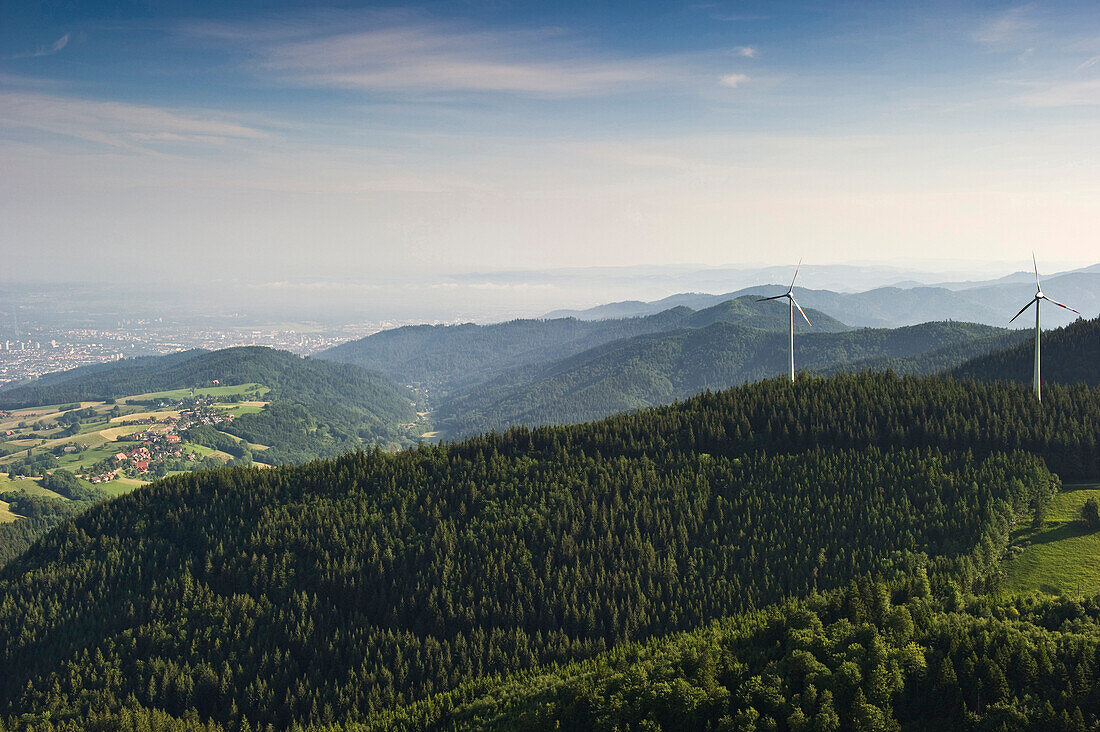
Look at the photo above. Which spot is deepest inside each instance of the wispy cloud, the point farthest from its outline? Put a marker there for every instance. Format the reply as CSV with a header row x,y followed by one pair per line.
x,y
1065,94
1003,28
424,56
745,51
1088,63
116,124
49,50
733,80
53,47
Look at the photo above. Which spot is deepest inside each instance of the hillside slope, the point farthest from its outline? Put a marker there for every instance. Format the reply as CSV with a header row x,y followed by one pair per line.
x,y
1070,355
316,408
656,369
871,657
450,356
340,588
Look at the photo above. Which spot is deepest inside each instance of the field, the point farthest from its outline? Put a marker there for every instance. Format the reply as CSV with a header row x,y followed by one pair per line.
x,y
1063,556
102,435
30,485
213,391
6,516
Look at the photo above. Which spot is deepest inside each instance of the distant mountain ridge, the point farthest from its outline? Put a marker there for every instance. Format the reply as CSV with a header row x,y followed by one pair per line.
x,y
453,356
991,303
659,368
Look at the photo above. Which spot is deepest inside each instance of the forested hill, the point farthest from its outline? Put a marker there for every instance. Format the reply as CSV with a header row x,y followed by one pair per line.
x,y
651,370
874,656
317,408
1070,355
446,356
342,588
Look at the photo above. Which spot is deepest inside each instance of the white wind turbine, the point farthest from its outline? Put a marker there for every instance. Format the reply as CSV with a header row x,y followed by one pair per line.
x,y
1035,301
792,305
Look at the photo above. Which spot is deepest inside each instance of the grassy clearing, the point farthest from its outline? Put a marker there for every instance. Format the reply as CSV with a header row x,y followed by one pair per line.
x,y
6,516
157,415
118,486
30,485
1061,557
249,445
174,395
111,434
242,408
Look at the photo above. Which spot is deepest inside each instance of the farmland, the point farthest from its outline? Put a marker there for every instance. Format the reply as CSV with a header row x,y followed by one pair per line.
x,y
86,438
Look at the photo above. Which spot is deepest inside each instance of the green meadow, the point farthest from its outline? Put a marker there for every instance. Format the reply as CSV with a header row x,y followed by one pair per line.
x,y
212,391
1062,557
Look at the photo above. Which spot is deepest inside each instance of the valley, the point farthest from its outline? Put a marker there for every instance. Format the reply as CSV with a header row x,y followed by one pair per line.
x,y
717,366
605,534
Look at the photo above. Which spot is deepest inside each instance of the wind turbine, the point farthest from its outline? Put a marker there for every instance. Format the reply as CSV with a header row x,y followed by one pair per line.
x,y
792,305
1035,301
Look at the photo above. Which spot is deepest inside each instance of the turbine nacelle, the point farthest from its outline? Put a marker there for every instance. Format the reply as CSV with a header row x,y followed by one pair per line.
x,y
789,294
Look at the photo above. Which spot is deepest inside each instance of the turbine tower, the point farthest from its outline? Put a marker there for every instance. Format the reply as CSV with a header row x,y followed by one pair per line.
x,y
1035,301
789,294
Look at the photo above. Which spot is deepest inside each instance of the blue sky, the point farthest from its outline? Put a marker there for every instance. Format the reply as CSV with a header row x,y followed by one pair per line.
x,y
309,140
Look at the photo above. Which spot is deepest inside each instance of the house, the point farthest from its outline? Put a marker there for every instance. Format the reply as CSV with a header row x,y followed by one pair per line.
x,y
121,457
142,465
173,439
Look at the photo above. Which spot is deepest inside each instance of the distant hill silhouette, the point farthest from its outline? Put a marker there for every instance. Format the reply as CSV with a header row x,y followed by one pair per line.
x,y
991,303
658,368
451,356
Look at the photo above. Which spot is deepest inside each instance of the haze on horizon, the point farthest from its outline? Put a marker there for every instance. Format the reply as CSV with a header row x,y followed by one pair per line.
x,y
279,142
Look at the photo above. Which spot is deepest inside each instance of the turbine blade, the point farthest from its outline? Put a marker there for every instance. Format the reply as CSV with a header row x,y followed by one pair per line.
x,y
1025,307
1036,265
802,311
797,266
1067,307
765,299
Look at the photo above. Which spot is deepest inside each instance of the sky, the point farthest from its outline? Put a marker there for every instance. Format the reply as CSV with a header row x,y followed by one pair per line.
x,y
286,141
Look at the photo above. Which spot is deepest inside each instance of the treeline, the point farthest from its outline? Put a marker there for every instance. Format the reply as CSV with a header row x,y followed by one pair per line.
x,y
869,657
1069,356
851,410
39,514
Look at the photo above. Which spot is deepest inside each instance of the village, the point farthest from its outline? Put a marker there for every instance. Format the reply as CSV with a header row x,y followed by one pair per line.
x,y
161,447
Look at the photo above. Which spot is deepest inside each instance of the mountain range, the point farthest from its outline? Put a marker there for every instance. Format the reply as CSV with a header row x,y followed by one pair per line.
x,y
446,357
659,368
991,302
